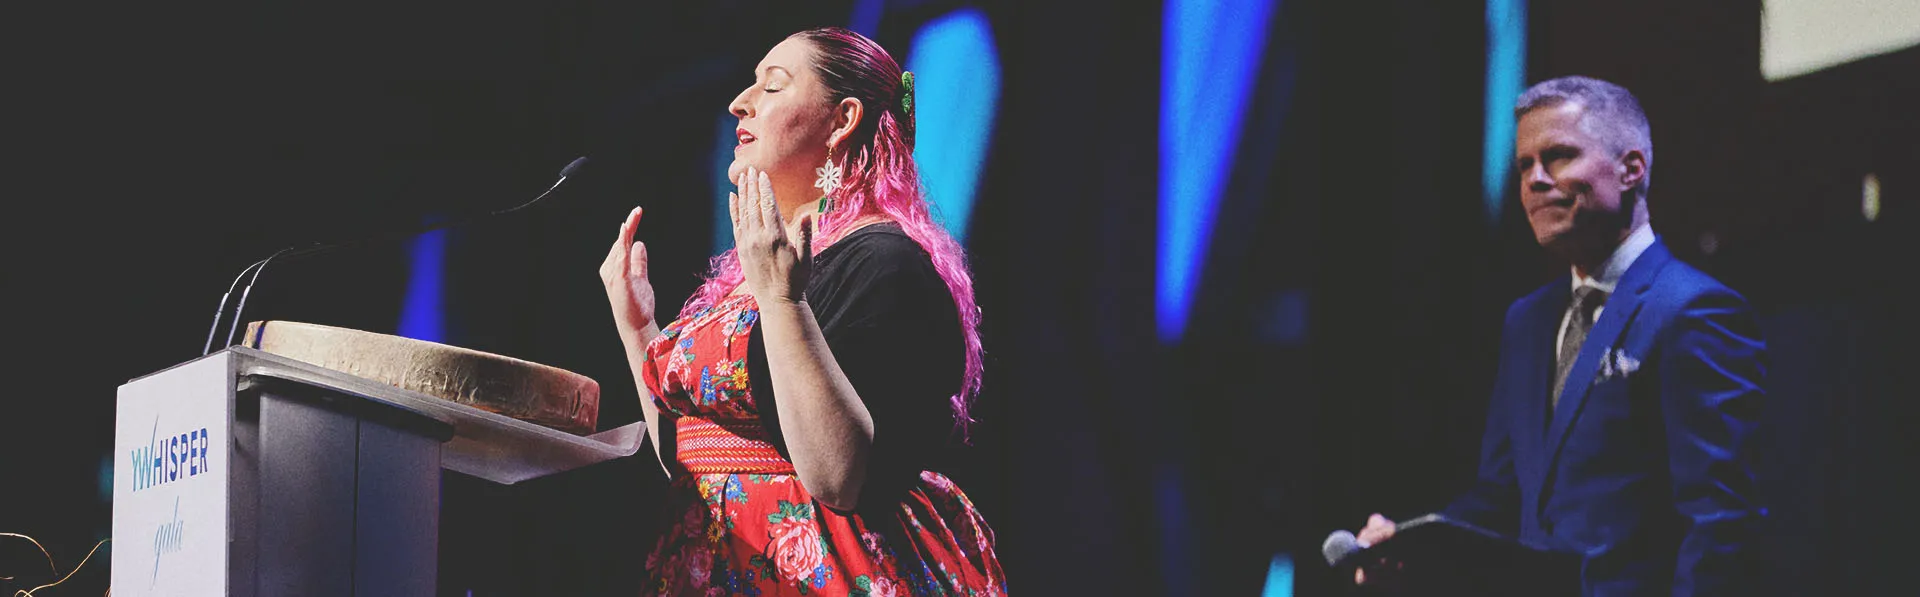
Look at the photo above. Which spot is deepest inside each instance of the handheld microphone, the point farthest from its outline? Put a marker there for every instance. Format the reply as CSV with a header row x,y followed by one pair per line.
x,y
1341,545
316,248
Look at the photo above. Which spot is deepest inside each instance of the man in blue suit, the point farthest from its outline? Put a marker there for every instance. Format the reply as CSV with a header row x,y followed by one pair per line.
x,y
1627,390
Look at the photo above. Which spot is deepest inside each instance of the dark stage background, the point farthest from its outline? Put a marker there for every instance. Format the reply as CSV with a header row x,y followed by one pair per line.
x,y
1336,362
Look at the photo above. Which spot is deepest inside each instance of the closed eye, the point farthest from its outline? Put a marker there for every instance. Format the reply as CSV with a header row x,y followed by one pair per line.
x,y
1559,153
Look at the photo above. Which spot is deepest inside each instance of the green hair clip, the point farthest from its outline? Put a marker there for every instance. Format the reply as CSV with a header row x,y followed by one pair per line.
x,y
906,92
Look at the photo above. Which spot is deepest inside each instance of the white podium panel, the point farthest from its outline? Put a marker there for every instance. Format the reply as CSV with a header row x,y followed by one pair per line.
x,y
170,481
248,474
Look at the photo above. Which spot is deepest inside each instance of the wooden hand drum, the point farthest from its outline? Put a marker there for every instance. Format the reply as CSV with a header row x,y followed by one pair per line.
x,y
531,392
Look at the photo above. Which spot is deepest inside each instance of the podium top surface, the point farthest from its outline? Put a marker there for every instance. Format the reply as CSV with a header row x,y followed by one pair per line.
x,y
494,447
525,390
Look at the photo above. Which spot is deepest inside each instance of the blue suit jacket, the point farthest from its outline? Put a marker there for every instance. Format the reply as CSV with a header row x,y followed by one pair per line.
x,y
1642,465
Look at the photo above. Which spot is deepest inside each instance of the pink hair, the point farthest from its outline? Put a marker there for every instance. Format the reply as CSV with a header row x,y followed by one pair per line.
x,y
881,180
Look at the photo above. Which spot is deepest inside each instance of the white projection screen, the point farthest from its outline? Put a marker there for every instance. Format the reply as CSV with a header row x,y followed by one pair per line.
x,y
1801,36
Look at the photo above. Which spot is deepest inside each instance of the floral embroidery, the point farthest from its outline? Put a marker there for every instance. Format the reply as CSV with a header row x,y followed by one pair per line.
x,y
821,575
743,324
699,565
796,541
695,522
873,543
735,493
762,534
865,586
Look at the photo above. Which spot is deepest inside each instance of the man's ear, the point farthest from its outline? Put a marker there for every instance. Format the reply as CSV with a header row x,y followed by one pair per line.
x,y
1633,168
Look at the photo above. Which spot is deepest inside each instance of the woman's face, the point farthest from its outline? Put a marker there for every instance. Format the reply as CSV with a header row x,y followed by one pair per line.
x,y
785,116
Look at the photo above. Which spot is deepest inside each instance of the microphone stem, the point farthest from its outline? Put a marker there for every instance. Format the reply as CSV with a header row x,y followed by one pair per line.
x,y
222,309
215,328
292,252
242,305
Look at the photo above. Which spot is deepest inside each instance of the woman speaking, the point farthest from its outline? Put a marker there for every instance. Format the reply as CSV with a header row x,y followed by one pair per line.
x,y
807,385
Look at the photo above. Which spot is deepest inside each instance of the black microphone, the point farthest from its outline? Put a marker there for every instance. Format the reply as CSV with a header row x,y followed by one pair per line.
x,y
316,248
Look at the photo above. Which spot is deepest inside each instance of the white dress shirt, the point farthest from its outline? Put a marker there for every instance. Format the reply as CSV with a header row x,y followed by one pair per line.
x,y
1610,272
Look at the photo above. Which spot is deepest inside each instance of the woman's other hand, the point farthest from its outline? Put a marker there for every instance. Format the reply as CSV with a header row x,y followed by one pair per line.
x,y
624,273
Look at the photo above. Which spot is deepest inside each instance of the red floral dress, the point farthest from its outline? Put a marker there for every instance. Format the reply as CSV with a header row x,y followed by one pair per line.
x,y
743,524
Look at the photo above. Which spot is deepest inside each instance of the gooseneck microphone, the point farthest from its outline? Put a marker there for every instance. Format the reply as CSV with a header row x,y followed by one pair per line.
x,y
317,248
222,309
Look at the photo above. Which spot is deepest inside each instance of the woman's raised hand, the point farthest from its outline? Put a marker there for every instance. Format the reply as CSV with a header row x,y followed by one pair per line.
x,y
624,273
776,268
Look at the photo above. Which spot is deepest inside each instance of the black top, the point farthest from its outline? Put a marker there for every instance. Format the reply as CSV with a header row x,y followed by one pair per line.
x,y
891,324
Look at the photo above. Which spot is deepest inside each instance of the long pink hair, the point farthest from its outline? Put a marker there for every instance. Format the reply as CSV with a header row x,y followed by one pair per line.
x,y
880,180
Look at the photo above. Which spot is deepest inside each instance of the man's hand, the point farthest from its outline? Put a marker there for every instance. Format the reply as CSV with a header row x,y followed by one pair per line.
x,y
1377,531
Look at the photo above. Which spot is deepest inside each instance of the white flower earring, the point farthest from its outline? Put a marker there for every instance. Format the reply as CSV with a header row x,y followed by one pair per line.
x,y
828,181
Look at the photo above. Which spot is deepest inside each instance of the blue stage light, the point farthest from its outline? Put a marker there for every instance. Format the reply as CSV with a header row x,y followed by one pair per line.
x,y
726,138
1210,56
1506,73
1279,577
421,316
956,94
866,17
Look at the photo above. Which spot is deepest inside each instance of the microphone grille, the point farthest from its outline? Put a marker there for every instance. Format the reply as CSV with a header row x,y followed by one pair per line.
x,y
1338,546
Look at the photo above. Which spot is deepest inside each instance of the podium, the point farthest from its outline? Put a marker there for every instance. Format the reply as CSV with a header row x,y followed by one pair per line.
x,y
246,474
1440,556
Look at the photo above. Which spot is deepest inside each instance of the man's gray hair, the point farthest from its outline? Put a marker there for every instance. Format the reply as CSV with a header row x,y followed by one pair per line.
x,y
1611,113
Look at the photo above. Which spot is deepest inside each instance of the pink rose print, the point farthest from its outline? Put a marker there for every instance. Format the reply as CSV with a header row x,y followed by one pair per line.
x,y
695,523
699,566
796,548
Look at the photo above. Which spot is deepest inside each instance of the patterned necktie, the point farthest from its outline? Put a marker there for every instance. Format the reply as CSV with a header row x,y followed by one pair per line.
x,y
1585,300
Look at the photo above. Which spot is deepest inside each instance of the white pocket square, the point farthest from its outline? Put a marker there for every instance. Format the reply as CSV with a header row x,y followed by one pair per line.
x,y
1616,363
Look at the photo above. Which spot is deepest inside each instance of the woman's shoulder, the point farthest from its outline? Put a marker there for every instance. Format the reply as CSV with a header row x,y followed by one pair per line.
x,y
871,258
883,244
